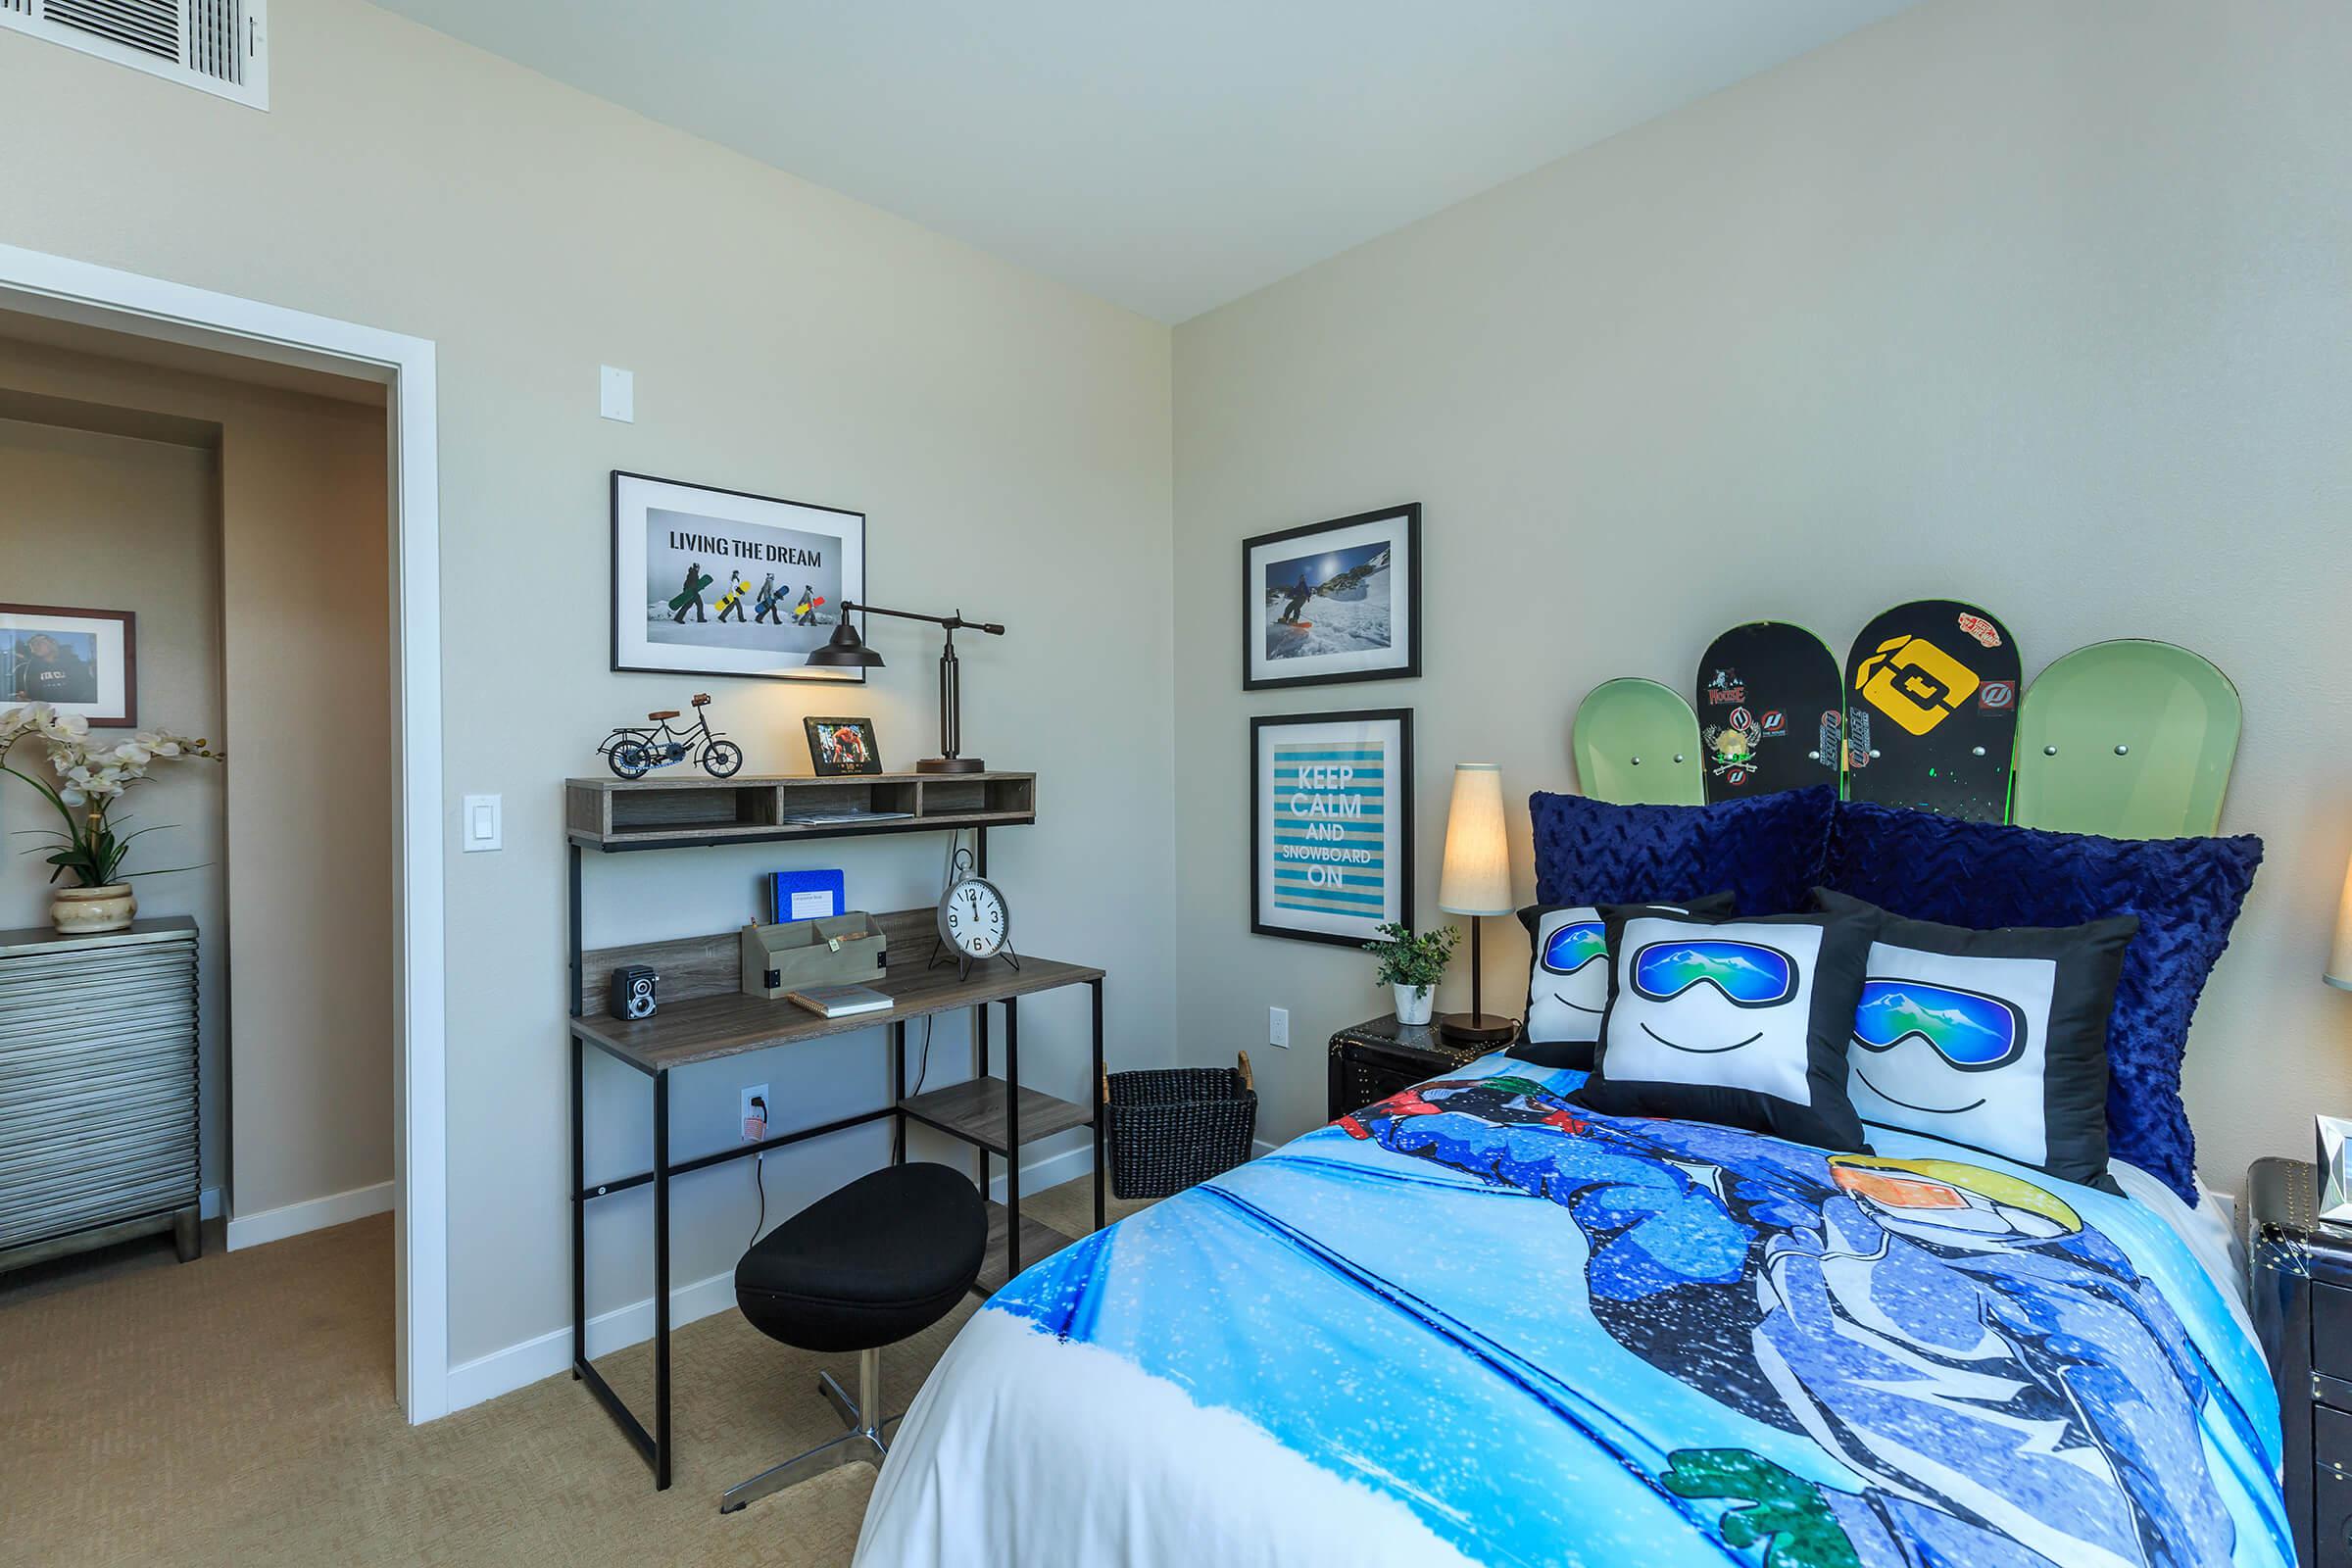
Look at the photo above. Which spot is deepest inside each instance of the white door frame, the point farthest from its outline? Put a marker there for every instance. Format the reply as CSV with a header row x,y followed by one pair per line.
x,y
64,289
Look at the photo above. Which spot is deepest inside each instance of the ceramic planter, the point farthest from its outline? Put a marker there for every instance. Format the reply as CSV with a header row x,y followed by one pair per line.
x,y
1413,1002
85,911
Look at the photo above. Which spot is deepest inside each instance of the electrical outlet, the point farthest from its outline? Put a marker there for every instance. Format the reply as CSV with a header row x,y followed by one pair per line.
x,y
1278,1027
756,1116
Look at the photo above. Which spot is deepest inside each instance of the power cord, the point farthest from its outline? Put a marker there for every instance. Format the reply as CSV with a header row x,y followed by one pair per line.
x,y
759,1171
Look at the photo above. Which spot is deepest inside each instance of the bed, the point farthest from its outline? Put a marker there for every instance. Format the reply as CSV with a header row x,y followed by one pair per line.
x,y
1477,1324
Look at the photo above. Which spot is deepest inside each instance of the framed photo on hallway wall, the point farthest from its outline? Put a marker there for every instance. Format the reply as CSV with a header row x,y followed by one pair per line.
x,y
723,582
83,663
1331,824
1333,601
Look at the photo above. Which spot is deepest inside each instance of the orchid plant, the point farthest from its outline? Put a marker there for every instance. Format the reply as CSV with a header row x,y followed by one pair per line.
x,y
91,781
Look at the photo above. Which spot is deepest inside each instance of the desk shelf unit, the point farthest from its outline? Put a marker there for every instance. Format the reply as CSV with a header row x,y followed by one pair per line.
x,y
705,1017
669,814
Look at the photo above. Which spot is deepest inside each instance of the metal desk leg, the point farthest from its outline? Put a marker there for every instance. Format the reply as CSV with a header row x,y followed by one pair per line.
x,y
580,1212
979,1071
898,1090
661,1282
1012,1137
1094,1092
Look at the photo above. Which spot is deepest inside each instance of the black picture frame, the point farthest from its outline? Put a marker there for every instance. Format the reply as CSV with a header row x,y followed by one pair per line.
x,y
630,655
812,726
1261,666
1397,858
111,637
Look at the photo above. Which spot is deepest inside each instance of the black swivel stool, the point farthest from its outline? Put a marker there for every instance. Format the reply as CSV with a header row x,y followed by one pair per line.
x,y
880,1261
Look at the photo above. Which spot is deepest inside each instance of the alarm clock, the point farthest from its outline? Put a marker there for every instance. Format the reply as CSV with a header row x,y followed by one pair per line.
x,y
974,923
633,992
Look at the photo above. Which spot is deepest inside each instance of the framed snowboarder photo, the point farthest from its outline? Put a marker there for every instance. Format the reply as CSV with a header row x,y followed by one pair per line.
x,y
843,746
1333,601
83,662
723,582
1331,824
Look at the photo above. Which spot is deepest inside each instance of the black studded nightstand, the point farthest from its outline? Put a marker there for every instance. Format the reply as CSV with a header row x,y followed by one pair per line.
x,y
1374,1059
2301,1270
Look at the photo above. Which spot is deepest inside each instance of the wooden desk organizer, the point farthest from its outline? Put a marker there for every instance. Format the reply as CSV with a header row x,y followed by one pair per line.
x,y
834,950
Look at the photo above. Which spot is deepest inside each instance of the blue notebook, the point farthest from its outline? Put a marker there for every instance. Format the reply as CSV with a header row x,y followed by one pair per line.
x,y
804,894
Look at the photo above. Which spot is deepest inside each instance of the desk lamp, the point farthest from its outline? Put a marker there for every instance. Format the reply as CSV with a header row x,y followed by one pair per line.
x,y
848,651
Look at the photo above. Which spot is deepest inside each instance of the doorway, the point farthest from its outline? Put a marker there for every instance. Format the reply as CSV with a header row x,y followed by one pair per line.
x,y
270,343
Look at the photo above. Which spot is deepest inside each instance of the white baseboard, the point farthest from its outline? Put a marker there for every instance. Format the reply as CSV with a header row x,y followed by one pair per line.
x,y
1050,1171
1259,1147
518,1366
336,1208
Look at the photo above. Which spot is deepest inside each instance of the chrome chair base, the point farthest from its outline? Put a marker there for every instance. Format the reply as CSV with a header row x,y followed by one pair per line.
x,y
863,1443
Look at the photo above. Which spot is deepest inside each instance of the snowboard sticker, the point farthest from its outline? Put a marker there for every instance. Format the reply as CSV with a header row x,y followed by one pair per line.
x,y
1931,710
2129,739
1770,713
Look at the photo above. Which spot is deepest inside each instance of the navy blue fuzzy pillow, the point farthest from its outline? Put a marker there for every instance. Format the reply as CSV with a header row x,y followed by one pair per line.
x,y
1766,849
1984,876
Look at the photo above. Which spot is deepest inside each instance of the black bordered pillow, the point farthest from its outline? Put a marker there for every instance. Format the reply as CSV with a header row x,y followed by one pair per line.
x,y
1568,981
1739,1021
1992,1038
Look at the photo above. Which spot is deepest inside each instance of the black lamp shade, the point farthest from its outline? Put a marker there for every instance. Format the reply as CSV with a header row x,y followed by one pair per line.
x,y
846,651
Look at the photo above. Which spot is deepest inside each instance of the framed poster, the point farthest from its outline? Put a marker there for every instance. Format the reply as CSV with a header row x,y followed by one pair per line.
x,y
83,663
1331,824
721,582
1333,601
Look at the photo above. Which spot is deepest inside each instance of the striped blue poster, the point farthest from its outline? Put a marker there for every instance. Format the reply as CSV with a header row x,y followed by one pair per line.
x,y
1332,819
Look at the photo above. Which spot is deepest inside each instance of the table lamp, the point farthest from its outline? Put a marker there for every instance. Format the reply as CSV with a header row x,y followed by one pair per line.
x,y
846,649
1476,881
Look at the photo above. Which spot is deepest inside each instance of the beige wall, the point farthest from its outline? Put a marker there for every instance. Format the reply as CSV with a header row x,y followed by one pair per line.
x,y
2040,305
107,521
274,638
1008,438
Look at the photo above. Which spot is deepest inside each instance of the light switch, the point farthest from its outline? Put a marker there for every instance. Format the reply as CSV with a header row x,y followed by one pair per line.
x,y
485,824
617,394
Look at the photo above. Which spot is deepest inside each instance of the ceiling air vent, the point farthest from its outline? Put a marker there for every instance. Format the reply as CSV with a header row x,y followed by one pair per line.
x,y
218,45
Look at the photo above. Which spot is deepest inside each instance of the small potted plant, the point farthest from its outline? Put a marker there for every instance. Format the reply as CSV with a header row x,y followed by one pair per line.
x,y
91,781
1412,966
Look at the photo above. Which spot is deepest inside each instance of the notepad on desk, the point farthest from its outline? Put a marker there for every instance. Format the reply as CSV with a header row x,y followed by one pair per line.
x,y
841,1001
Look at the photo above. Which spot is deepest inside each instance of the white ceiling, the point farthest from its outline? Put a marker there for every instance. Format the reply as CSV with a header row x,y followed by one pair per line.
x,y
1169,157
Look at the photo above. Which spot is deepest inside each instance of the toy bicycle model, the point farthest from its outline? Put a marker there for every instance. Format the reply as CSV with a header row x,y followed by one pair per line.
x,y
635,752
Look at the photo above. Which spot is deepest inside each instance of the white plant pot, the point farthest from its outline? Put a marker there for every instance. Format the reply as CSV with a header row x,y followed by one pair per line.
x,y
87,912
1414,1002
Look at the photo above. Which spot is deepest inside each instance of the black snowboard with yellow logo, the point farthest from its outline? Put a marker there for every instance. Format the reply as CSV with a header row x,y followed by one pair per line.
x,y
1931,703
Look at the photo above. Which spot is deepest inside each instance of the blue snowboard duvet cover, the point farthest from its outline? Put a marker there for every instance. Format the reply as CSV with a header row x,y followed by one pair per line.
x,y
1475,1324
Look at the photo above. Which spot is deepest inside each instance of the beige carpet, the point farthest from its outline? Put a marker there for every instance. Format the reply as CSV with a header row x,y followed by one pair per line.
x,y
239,1410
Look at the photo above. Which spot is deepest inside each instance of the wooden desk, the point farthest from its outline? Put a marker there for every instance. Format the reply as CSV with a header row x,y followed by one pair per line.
x,y
996,1116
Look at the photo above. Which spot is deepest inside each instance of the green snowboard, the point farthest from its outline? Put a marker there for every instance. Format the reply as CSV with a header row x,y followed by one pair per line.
x,y
682,600
1636,743
2129,739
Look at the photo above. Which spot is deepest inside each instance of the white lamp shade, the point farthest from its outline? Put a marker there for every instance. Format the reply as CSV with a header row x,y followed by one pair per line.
x,y
1477,877
2340,958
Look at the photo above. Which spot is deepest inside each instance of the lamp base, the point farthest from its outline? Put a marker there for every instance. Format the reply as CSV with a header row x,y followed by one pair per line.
x,y
951,765
1476,1028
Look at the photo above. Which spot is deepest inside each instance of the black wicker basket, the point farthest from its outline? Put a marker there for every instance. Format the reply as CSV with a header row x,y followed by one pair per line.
x,y
1169,1128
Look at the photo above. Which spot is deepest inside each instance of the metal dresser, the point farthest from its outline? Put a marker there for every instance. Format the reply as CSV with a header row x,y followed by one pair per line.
x,y
97,1089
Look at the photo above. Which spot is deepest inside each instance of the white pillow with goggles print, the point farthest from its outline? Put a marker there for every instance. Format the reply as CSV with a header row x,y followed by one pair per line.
x,y
1996,1040
1568,979
1742,1022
